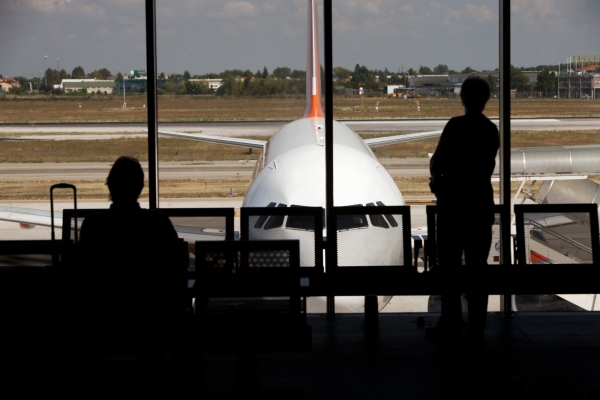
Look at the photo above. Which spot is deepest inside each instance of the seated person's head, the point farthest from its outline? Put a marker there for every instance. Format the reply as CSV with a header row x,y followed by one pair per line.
x,y
125,180
474,93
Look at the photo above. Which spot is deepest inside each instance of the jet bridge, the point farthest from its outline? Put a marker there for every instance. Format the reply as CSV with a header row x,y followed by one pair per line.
x,y
567,160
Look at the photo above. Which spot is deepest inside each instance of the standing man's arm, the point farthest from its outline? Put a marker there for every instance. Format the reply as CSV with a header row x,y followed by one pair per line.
x,y
440,159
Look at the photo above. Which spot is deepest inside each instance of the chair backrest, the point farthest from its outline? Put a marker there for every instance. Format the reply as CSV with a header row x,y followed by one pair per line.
x,y
245,271
191,224
373,236
557,233
132,280
280,222
500,250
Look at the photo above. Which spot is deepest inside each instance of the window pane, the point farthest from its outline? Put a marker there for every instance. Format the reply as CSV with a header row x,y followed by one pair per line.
x,y
68,75
554,79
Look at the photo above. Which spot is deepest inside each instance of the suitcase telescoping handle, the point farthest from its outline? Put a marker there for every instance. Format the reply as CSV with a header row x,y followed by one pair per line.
x,y
63,186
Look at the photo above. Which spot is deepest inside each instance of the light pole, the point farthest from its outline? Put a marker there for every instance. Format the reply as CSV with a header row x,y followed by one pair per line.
x,y
46,69
58,63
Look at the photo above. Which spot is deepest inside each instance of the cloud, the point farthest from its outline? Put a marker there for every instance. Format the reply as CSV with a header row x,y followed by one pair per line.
x,y
236,10
102,32
77,8
372,8
480,13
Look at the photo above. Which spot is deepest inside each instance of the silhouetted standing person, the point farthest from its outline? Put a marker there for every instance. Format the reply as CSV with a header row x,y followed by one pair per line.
x,y
461,170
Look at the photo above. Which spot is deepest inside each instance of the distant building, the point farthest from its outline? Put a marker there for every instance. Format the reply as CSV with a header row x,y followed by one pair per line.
x,y
390,89
8,83
417,81
213,84
87,86
580,85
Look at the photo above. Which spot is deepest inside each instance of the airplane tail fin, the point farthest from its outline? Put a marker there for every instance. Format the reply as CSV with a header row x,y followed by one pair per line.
x,y
313,68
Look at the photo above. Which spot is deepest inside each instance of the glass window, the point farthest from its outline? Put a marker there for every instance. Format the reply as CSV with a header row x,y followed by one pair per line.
x,y
276,221
377,219
347,222
390,218
261,220
301,222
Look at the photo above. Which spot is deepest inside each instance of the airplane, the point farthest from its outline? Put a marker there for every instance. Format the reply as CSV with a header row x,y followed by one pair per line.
x,y
291,172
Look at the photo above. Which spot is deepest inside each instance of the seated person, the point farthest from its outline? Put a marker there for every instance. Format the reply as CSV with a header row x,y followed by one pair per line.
x,y
133,268
126,220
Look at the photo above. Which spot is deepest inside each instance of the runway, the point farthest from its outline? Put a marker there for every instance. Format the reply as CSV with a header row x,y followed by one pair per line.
x,y
243,169
95,131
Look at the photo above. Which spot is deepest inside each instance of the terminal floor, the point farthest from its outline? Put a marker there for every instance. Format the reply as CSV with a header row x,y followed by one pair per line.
x,y
536,355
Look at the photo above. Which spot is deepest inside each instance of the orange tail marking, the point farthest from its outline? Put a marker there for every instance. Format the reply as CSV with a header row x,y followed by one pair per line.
x,y
537,257
313,71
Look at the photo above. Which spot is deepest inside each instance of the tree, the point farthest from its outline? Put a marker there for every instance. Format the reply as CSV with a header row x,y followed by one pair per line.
x,y
265,73
411,72
23,82
161,76
186,75
78,73
101,74
53,78
62,74
546,82
467,70
361,75
170,86
181,89
282,72
492,81
518,80
441,69
230,86
119,77
342,73
395,79
298,74
424,70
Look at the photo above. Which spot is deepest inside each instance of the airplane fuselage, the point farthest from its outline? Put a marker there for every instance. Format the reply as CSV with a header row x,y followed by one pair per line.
x,y
291,172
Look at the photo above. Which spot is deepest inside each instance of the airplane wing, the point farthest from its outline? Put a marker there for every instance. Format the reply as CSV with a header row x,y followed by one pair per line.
x,y
385,141
249,143
29,218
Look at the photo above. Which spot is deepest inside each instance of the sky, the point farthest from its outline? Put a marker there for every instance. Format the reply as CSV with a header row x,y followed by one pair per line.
x,y
204,36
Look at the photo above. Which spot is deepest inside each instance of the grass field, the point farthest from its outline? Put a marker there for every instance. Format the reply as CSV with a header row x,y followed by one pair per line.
x,y
32,109
191,188
96,189
172,149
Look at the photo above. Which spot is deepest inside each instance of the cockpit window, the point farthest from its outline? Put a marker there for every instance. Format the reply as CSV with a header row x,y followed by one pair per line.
x,y
377,219
390,218
261,219
302,222
346,222
275,221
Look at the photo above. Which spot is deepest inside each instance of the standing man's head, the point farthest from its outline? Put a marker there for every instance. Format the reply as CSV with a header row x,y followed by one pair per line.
x,y
125,180
475,93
